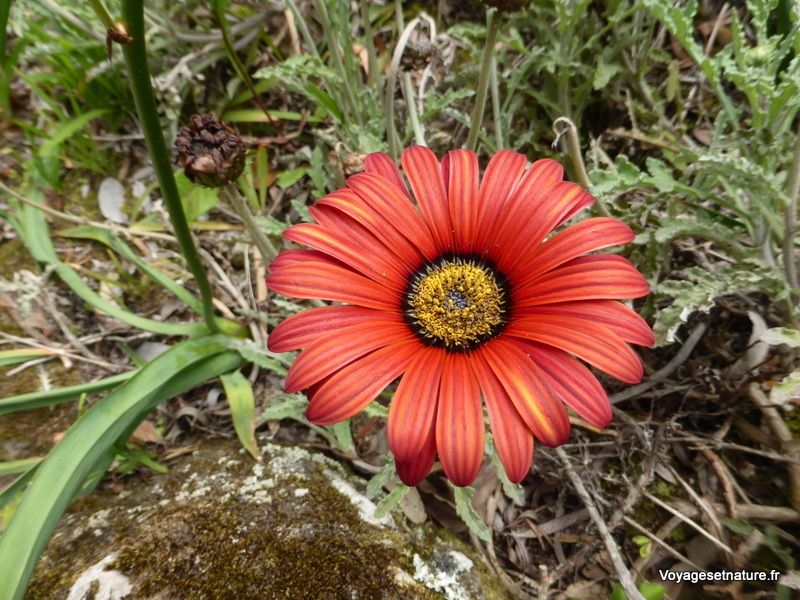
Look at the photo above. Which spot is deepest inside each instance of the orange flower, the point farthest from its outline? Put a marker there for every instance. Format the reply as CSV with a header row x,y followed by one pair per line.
x,y
456,287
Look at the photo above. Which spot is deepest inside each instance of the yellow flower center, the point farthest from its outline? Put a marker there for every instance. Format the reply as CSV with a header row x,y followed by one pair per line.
x,y
457,303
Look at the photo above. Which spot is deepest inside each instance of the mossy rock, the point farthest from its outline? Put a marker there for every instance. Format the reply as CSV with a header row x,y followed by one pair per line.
x,y
219,526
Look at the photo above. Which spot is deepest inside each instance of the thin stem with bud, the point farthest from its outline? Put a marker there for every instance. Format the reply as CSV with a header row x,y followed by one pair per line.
x,y
136,60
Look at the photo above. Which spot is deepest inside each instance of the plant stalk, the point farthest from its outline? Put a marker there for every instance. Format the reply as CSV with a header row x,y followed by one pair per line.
x,y
789,265
262,242
497,114
565,128
372,55
492,27
411,108
136,60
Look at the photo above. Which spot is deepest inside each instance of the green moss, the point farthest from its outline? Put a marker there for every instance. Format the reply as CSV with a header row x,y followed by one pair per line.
x,y
210,529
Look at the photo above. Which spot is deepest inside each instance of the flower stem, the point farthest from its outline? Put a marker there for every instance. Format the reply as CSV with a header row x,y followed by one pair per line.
x,y
789,265
492,26
411,108
496,111
102,13
565,128
136,60
262,242
372,55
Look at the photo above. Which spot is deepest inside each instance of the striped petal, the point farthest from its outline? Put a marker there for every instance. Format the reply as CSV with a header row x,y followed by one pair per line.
x,y
534,401
596,344
353,387
331,352
425,176
460,168
502,174
597,277
512,437
382,164
586,236
413,471
397,209
459,421
572,382
312,274
616,316
351,204
353,245
412,412
299,330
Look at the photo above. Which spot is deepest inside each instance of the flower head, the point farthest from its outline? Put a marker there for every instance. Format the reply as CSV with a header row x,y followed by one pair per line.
x,y
210,151
455,284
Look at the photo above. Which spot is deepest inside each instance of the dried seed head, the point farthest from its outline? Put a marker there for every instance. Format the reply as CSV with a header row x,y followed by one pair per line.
x,y
506,5
210,152
417,55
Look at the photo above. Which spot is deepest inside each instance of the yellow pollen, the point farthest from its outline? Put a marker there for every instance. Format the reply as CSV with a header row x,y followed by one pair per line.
x,y
457,304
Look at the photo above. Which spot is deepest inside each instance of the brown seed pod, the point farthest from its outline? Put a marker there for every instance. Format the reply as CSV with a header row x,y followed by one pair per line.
x,y
210,152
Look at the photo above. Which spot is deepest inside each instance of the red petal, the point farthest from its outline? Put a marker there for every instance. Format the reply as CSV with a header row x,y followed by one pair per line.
x,y
512,437
594,343
572,382
586,236
355,247
397,209
331,352
312,274
535,403
501,176
353,387
532,219
422,170
461,174
413,471
616,316
383,165
412,412
597,277
299,330
351,204
459,421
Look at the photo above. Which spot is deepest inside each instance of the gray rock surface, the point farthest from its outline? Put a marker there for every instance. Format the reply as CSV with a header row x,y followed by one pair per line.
x,y
220,526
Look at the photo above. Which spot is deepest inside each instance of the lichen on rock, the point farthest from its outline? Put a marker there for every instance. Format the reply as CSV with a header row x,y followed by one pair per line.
x,y
219,526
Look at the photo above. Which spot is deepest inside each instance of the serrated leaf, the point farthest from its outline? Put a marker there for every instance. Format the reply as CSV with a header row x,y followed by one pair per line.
x,y
392,499
781,335
243,410
260,355
603,74
380,479
787,390
293,406
465,510
271,225
344,436
196,199
660,175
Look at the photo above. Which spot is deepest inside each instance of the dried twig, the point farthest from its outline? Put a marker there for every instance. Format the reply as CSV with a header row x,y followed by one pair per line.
x,y
784,436
624,575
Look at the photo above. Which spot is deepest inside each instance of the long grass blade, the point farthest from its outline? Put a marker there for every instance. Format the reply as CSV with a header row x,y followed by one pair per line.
x,y
55,396
60,475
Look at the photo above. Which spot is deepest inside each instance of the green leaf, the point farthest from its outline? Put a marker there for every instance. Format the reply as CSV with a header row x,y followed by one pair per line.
x,y
344,436
90,438
289,178
788,389
781,335
271,225
243,410
58,395
391,500
275,363
604,73
20,355
18,466
652,591
465,510
380,479
197,200
293,406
